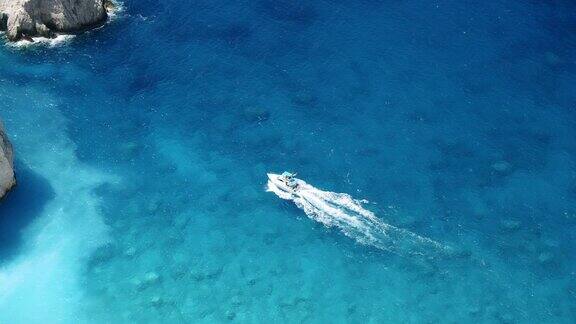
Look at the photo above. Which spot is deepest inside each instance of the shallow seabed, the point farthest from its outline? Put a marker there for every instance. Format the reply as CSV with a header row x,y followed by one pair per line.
x,y
143,147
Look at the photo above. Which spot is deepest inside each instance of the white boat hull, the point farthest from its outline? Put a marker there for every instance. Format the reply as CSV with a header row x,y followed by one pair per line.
x,y
277,185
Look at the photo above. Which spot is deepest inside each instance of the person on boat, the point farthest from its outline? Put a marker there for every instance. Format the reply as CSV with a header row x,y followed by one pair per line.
x,y
289,179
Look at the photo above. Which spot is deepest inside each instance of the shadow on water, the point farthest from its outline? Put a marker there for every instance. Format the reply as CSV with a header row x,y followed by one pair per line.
x,y
19,209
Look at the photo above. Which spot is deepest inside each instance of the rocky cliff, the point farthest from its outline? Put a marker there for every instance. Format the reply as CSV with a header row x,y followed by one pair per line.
x,y
27,18
7,179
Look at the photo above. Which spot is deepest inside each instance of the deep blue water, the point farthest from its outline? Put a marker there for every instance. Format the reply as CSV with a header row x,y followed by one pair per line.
x,y
142,152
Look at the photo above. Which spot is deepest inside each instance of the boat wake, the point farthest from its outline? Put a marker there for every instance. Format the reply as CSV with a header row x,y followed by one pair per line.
x,y
340,210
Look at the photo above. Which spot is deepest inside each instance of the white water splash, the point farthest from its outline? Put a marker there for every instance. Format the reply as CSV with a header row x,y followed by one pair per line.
x,y
116,10
59,40
63,39
341,211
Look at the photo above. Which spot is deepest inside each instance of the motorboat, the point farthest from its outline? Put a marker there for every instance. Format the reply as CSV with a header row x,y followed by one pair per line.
x,y
285,182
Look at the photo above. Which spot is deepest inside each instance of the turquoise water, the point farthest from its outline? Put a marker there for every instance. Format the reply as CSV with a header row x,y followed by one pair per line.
x,y
143,147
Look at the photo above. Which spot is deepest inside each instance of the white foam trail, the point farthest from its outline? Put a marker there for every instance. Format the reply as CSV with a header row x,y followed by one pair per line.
x,y
341,211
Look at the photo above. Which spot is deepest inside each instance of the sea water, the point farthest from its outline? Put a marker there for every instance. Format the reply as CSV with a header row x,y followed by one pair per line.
x,y
142,150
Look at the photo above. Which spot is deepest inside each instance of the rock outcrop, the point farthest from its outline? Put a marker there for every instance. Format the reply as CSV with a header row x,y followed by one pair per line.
x,y
28,18
7,179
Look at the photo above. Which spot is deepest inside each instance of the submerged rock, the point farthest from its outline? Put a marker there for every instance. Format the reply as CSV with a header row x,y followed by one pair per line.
x,y
129,150
22,19
545,257
305,99
207,273
130,252
552,58
7,178
151,278
474,310
510,225
230,315
102,255
501,166
156,301
256,114
148,280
